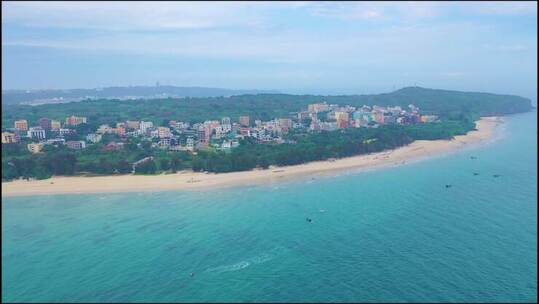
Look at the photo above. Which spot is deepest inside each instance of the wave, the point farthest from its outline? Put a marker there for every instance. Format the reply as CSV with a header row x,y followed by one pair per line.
x,y
259,259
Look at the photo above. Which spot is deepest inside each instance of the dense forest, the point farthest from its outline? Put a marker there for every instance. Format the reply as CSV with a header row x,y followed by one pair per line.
x,y
447,104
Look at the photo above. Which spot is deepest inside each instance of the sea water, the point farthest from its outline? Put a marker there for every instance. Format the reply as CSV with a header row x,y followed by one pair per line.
x,y
394,234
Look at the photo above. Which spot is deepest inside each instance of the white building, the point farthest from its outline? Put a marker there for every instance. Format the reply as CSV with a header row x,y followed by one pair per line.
x,y
190,143
55,141
94,138
103,129
36,133
76,144
164,143
64,132
145,125
163,132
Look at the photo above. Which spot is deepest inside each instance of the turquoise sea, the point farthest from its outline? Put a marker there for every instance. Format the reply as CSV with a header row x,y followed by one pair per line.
x,y
389,235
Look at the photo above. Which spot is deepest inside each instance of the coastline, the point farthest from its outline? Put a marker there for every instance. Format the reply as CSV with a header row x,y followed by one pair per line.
x,y
202,181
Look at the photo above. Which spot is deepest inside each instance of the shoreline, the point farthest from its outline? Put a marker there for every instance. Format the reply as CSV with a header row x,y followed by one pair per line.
x,y
417,150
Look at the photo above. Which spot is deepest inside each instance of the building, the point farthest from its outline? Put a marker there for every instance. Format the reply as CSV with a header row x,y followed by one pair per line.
x,y
163,132
104,129
428,118
133,124
244,121
93,137
303,116
164,143
203,137
315,126
328,126
342,119
285,123
244,131
145,125
45,123
389,118
120,130
75,120
342,124
341,115
190,143
225,121
55,125
36,133
55,141
9,138
21,125
35,147
415,118
379,117
76,144
63,132
318,107
112,146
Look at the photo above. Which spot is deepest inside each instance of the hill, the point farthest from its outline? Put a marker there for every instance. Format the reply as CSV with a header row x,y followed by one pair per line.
x,y
265,106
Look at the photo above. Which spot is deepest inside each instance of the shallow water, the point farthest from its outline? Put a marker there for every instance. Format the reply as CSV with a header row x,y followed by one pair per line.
x,y
394,234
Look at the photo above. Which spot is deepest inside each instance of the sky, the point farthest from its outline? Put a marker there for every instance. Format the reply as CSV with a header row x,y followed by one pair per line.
x,y
294,47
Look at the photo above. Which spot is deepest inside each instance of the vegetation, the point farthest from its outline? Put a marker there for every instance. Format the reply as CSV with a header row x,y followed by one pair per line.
x,y
458,111
249,155
447,104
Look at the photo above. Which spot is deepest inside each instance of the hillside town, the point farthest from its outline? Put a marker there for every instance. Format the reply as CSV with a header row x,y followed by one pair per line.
x,y
221,135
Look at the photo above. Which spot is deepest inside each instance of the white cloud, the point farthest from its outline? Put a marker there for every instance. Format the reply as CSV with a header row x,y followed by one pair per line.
x,y
504,7
452,74
128,15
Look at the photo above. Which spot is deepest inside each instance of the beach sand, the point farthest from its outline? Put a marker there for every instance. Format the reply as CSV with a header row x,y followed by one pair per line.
x,y
205,181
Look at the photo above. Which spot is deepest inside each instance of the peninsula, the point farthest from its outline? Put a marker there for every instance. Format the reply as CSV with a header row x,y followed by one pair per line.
x,y
119,145
188,180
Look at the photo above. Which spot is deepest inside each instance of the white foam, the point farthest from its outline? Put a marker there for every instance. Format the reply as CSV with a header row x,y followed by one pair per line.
x,y
259,259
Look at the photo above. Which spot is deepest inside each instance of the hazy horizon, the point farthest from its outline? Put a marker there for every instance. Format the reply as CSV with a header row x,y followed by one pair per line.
x,y
294,47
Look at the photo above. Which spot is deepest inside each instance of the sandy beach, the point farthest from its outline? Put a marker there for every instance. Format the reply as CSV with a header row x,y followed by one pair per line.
x,y
203,181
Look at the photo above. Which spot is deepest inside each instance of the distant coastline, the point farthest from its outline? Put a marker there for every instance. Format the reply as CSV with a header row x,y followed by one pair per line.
x,y
200,181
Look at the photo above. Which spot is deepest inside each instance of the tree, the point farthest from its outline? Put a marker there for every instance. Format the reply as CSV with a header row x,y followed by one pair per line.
x,y
147,167
164,164
124,167
175,163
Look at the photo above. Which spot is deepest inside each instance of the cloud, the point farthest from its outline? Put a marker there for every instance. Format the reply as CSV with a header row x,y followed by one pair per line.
x,y
305,40
452,74
511,8
347,11
507,47
128,16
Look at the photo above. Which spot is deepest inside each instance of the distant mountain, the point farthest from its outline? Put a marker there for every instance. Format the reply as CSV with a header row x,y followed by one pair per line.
x,y
133,92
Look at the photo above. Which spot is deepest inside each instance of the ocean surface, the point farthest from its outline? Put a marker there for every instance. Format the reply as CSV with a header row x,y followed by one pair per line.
x,y
392,235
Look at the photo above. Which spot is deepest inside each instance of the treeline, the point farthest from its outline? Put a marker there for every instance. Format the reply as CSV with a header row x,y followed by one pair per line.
x,y
17,162
325,145
447,104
